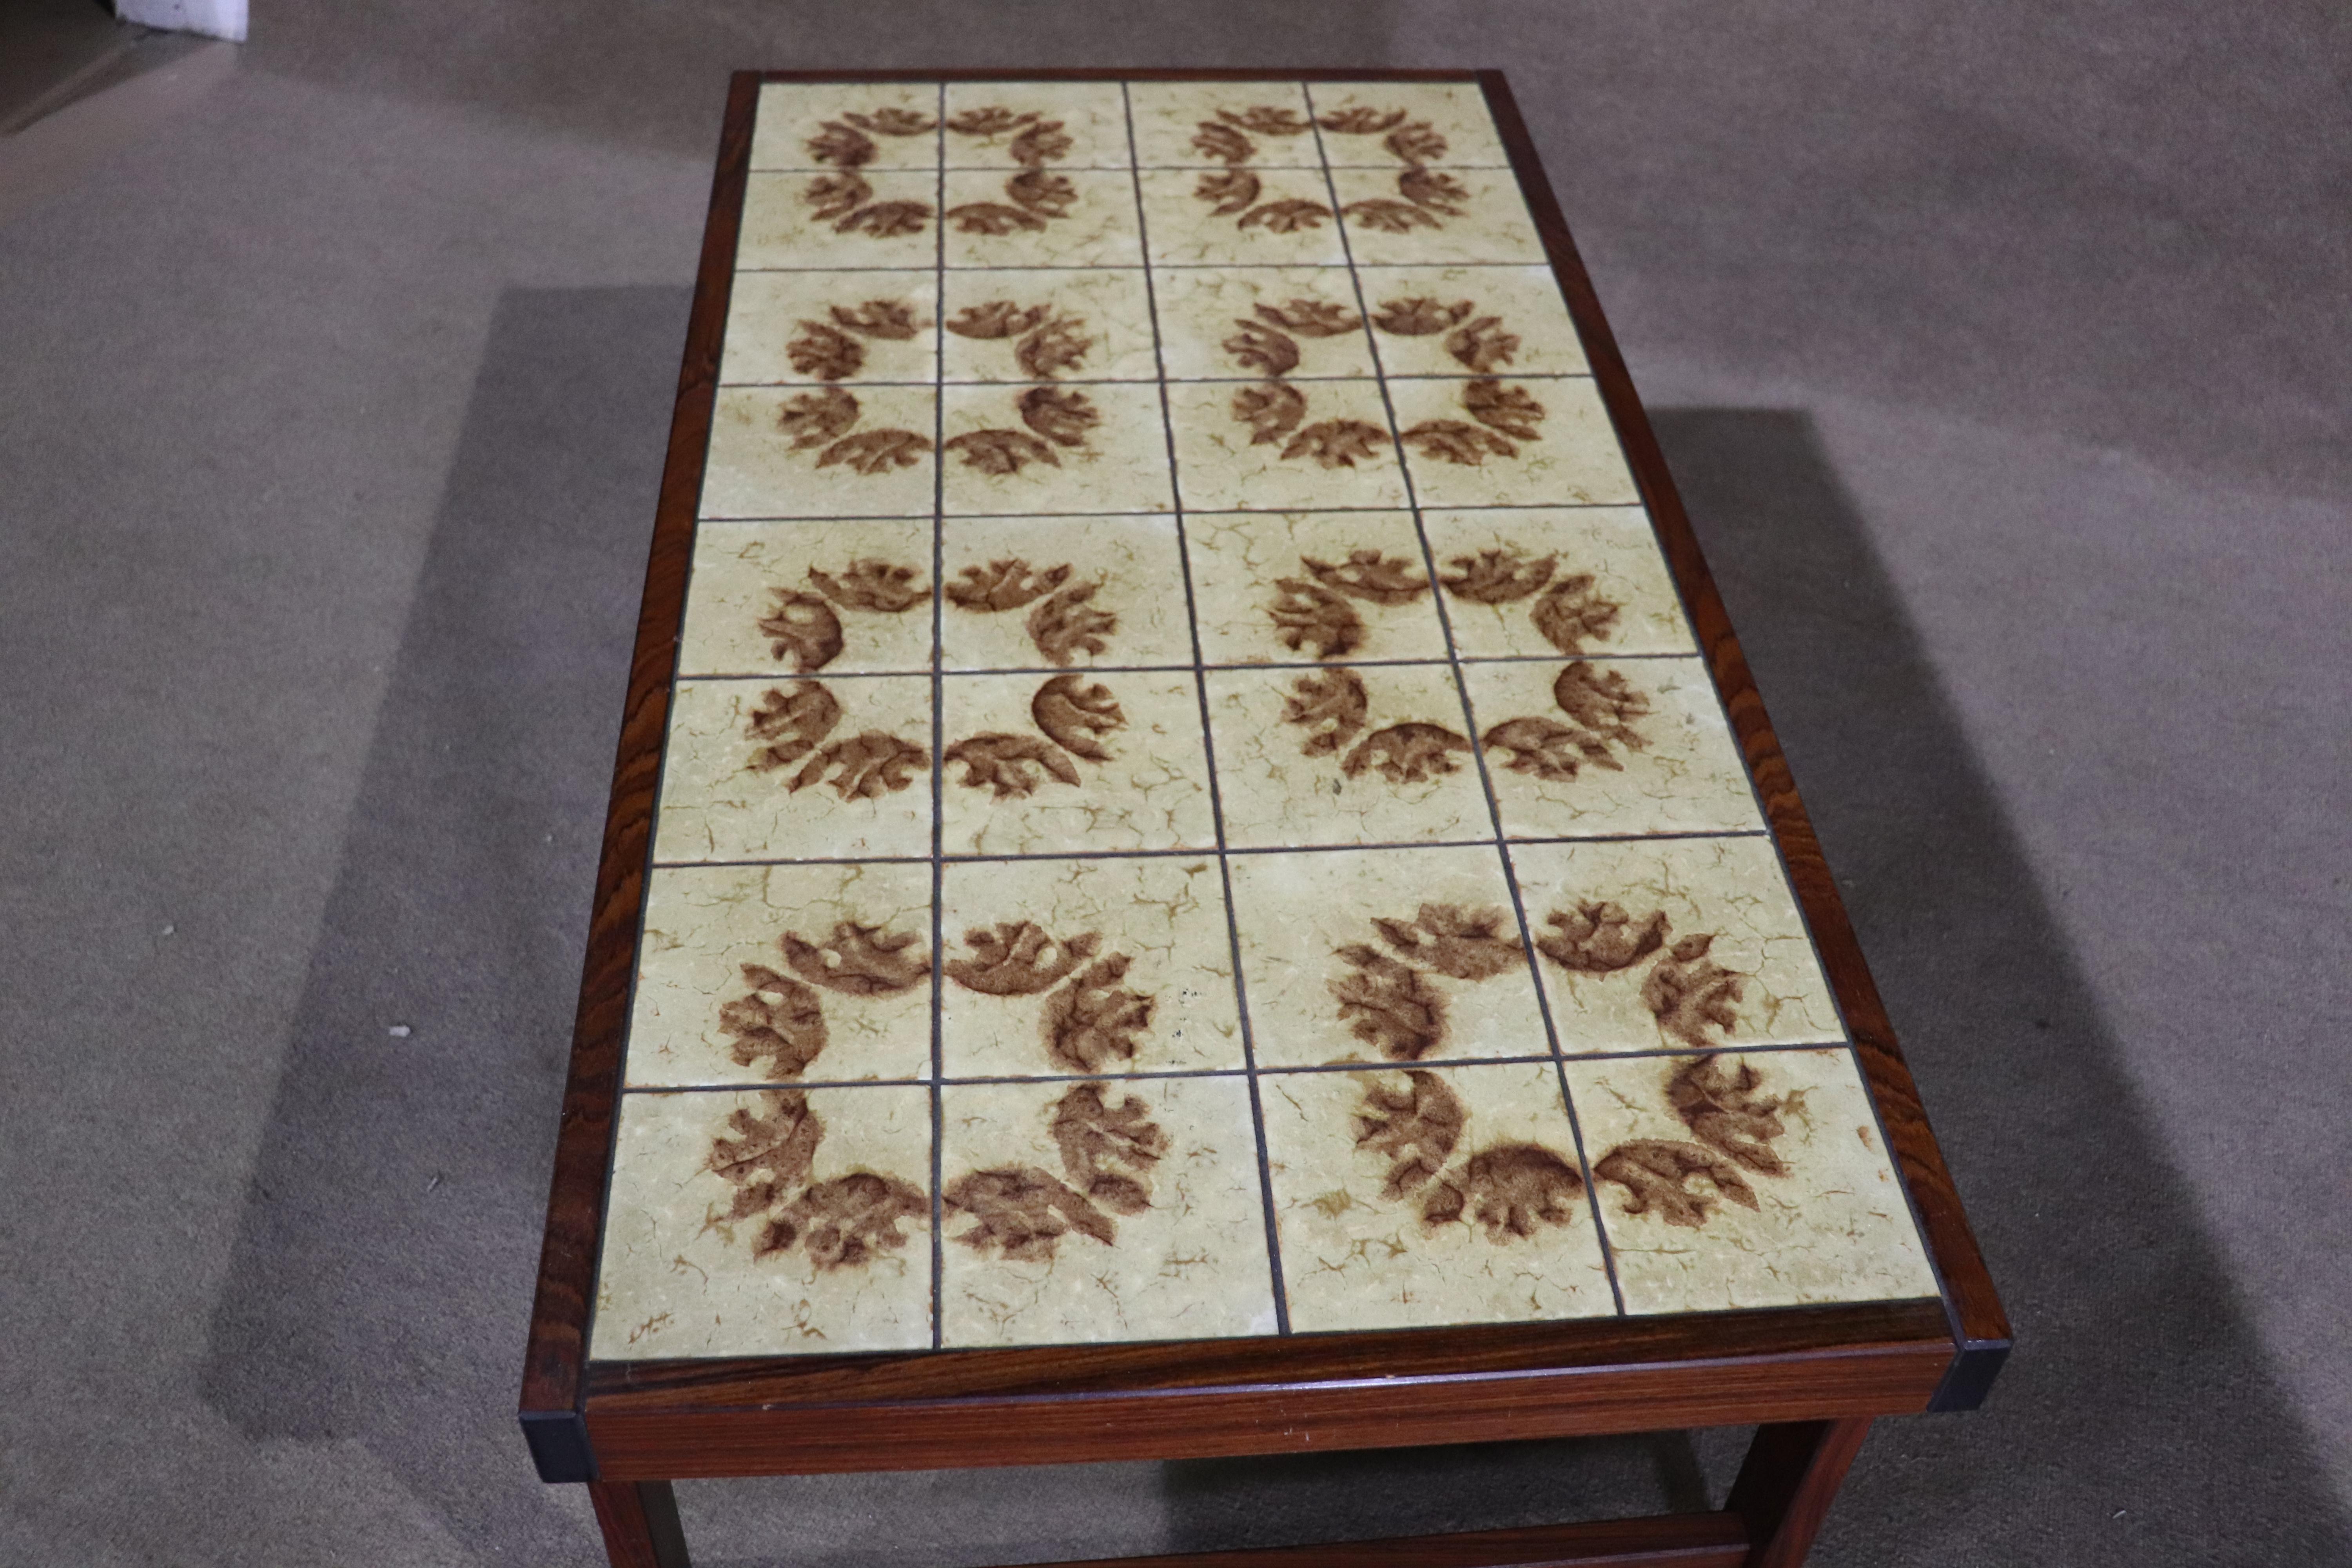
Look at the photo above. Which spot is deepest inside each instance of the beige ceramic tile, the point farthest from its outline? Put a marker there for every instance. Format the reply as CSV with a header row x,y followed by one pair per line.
x,y
1392,125
1434,217
832,326
1049,324
1276,446
1677,943
1042,217
820,451
1415,1198
794,769
1562,747
1374,955
1510,442
1240,217
1745,1181
1036,124
846,125
1340,755
1078,1213
1290,587
1543,581
1028,593
1256,124
852,218
1490,321
1099,447
1073,762
1254,321
1056,967
800,597
770,973
781,1222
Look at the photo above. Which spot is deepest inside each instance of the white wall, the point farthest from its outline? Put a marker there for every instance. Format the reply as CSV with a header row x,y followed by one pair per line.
x,y
219,18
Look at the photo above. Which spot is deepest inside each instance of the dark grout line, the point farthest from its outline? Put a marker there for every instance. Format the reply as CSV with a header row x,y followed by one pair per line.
x,y
938,761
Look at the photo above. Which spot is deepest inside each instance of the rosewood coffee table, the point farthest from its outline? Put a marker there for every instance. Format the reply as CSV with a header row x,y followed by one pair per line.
x,y
1194,868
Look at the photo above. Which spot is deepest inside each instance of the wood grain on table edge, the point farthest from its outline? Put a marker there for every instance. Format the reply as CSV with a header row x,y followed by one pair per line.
x,y
1980,1325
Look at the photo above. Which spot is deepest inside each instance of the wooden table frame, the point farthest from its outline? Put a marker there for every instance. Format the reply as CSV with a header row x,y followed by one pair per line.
x,y
1813,1378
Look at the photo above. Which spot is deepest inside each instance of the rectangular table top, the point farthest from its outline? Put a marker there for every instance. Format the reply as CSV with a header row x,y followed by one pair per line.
x,y
1192,803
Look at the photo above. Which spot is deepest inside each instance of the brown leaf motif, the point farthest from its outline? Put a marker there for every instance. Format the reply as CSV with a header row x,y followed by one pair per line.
x,y
1234,191
1260,348
1436,191
1572,610
813,419
1066,625
868,584
1309,318
1604,701
1044,142
1655,1174
1060,344
876,451
1369,575
1073,715
793,724
1512,410
1418,142
803,628
1362,120
1389,1007
1010,766
1455,441
1094,1019
1267,120
1599,937
884,219
1510,1191
993,120
1060,416
1481,344
1311,619
1043,191
1108,1151
1547,748
1222,143
825,351
889,319
1691,995
1330,703
779,1023
1020,1213
840,146
1389,216
847,1221
1018,958
858,959
997,318
994,219
1001,451
1004,585
770,1152
1271,411
1722,1109
1338,443
892,122
1463,944
1498,577
1285,216
1419,315
1414,1129
866,766
1407,753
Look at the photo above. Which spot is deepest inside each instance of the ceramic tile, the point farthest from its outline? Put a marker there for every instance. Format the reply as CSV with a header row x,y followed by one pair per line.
x,y
1042,217
1075,1213
846,125
1434,217
1254,321
1049,324
1240,217
1100,447
1485,441
1484,320
832,326
800,597
1753,1180
1384,955
1280,446
1067,764
1027,593
1405,124
1408,1199
1545,581
1672,943
1036,125
1341,755
790,770
1256,124
775,1222
1590,748
1056,967
772,973
823,451
851,218
1290,587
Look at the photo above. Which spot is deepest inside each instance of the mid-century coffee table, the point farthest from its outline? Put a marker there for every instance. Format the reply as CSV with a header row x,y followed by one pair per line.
x,y
1194,867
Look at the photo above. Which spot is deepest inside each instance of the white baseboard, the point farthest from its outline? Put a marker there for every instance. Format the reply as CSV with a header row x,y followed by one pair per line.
x,y
215,18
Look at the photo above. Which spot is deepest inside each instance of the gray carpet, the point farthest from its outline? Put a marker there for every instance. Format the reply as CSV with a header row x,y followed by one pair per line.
x,y
2001,355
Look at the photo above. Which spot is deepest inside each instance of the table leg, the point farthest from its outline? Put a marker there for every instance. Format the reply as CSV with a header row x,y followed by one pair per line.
x,y
1787,1484
640,1520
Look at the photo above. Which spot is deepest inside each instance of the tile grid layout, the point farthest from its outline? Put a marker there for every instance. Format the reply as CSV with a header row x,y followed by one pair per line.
x,y
1258,998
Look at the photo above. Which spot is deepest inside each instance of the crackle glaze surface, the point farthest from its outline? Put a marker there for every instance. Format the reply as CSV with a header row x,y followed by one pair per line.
x,y
1191,807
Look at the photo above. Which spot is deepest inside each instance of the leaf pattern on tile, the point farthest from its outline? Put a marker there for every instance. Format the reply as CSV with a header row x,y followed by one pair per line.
x,y
992,119
1309,318
1389,1005
1734,1125
1412,141
847,1221
846,201
892,122
1462,944
1067,625
994,219
1691,995
1389,216
1224,144
1723,1109
825,351
843,1223
1010,766
1037,140
1271,411
1062,417
1338,443
1602,701
1095,1019
1056,417
1414,1130
1513,410
1371,577
1547,748
814,419
1311,619
1232,193
858,959
1411,753
1481,344
1434,191
1108,1151
1043,191
1505,416
1073,715
1599,937
1018,958
1362,120
1455,441
1044,142
1601,706
1655,1174
997,318
871,584
1046,343
876,451
1004,585
1331,704
1261,348
1511,1191
793,724
1035,196
1287,215
769,1154
1572,610
1499,576
1419,315
866,766
1020,1213
822,419
781,1023
996,450
840,146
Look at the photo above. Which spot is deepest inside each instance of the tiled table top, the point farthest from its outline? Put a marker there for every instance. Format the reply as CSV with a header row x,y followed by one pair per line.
x,y
1191,807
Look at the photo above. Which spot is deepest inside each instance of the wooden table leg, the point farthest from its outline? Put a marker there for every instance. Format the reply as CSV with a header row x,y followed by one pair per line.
x,y
640,1520
1787,1484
